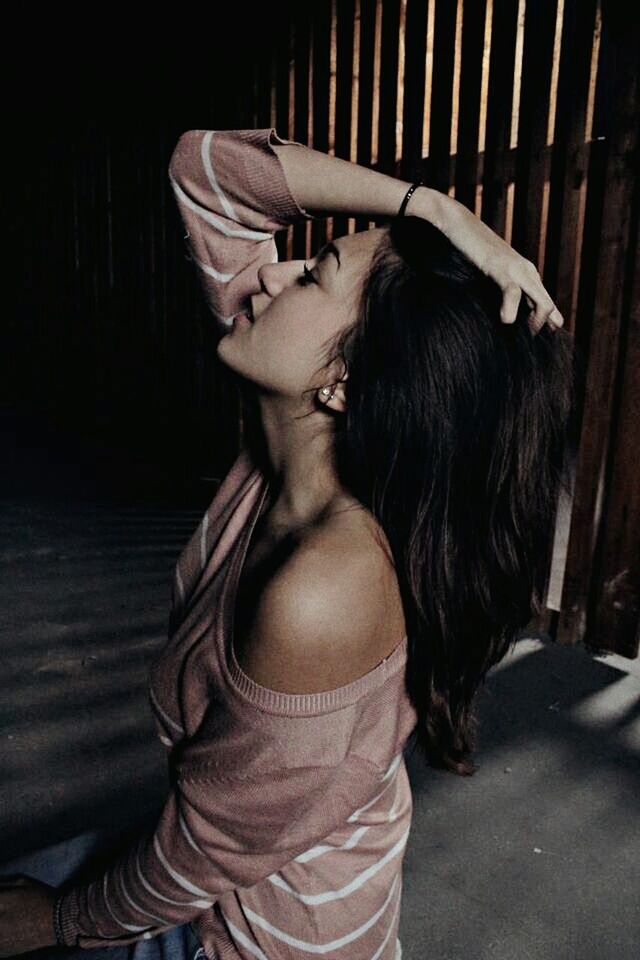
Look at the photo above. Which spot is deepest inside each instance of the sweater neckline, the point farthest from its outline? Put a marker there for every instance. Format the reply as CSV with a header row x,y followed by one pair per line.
x,y
275,701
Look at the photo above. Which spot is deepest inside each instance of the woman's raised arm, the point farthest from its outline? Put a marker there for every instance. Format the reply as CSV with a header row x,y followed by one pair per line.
x,y
326,185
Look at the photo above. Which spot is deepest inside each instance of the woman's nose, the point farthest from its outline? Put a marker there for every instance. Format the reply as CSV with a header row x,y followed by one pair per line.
x,y
274,277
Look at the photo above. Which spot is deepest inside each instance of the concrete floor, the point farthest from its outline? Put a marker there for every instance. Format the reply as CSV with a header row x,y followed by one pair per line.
x,y
535,857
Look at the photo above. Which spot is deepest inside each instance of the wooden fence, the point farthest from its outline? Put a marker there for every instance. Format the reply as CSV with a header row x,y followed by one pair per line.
x,y
524,110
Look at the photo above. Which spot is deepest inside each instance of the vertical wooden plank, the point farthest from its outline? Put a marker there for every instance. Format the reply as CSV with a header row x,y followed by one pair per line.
x,y
598,149
595,576
302,40
284,62
438,164
344,92
262,102
466,170
570,158
616,619
533,157
415,54
321,61
388,87
365,89
499,108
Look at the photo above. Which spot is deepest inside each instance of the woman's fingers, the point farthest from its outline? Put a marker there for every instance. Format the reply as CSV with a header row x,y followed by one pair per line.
x,y
510,302
543,309
556,318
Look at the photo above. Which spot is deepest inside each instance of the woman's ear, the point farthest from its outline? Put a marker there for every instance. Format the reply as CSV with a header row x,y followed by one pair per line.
x,y
339,399
333,395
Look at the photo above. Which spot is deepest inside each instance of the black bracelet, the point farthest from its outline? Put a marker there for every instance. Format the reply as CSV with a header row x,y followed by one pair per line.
x,y
408,195
56,922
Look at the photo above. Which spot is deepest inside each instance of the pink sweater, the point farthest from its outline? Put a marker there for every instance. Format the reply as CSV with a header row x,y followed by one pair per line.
x,y
284,831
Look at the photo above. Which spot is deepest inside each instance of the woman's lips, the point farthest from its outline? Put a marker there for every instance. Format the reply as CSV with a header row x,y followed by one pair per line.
x,y
242,318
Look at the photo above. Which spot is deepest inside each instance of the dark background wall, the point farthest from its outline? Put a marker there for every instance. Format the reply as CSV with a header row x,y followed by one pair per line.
x,y
106,343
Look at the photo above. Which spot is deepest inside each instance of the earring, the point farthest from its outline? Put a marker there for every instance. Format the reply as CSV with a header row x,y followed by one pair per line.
x,y
327,393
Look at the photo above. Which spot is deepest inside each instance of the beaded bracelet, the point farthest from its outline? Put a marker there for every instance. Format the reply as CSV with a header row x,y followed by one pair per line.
x,y
408,195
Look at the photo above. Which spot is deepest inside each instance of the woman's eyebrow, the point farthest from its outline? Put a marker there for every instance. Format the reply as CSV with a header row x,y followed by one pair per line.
x,y
326,250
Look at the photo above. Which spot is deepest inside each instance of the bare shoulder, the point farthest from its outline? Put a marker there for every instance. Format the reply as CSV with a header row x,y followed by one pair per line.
x,y
329,615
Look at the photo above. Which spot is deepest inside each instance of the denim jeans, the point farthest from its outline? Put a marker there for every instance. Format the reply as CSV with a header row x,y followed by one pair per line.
x,y
59,863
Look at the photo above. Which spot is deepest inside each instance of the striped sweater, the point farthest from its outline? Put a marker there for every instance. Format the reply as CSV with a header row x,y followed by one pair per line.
x,y
284,831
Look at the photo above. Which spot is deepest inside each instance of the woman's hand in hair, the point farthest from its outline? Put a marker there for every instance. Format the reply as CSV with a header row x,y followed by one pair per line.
x,y
513,273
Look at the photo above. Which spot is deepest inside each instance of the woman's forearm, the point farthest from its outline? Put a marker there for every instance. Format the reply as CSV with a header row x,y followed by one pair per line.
x,y
325,185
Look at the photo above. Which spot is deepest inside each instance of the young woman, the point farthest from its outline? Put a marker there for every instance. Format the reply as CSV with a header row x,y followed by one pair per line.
x,y
373,551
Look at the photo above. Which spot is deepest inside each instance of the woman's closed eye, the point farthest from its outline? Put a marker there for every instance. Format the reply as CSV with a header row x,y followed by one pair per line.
x,y
306,277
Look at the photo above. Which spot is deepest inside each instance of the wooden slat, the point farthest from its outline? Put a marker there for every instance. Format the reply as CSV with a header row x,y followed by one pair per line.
x,y
466,171
321,62
344,92
533,118
388,87
570,159
438,165
616,620
302,27
365,89
262,86
415,51
602,563
499,108
284,52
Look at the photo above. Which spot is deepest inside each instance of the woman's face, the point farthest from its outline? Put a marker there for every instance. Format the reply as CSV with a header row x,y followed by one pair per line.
x,y
296,315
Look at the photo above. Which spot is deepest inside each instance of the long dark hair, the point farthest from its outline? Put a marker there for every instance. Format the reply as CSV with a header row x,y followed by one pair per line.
x,y
454,437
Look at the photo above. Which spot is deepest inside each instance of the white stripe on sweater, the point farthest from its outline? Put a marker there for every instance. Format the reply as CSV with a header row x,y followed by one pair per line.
x,y
179,584
179,879
203,541
212,272
205,152
93,921
322,848
358,881
165,716
187,833
356,813
319,948
137,906
214,221
125,926
160,896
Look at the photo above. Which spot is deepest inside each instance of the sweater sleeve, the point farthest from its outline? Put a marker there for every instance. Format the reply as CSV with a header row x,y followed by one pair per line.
x,y
214,834
232,196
